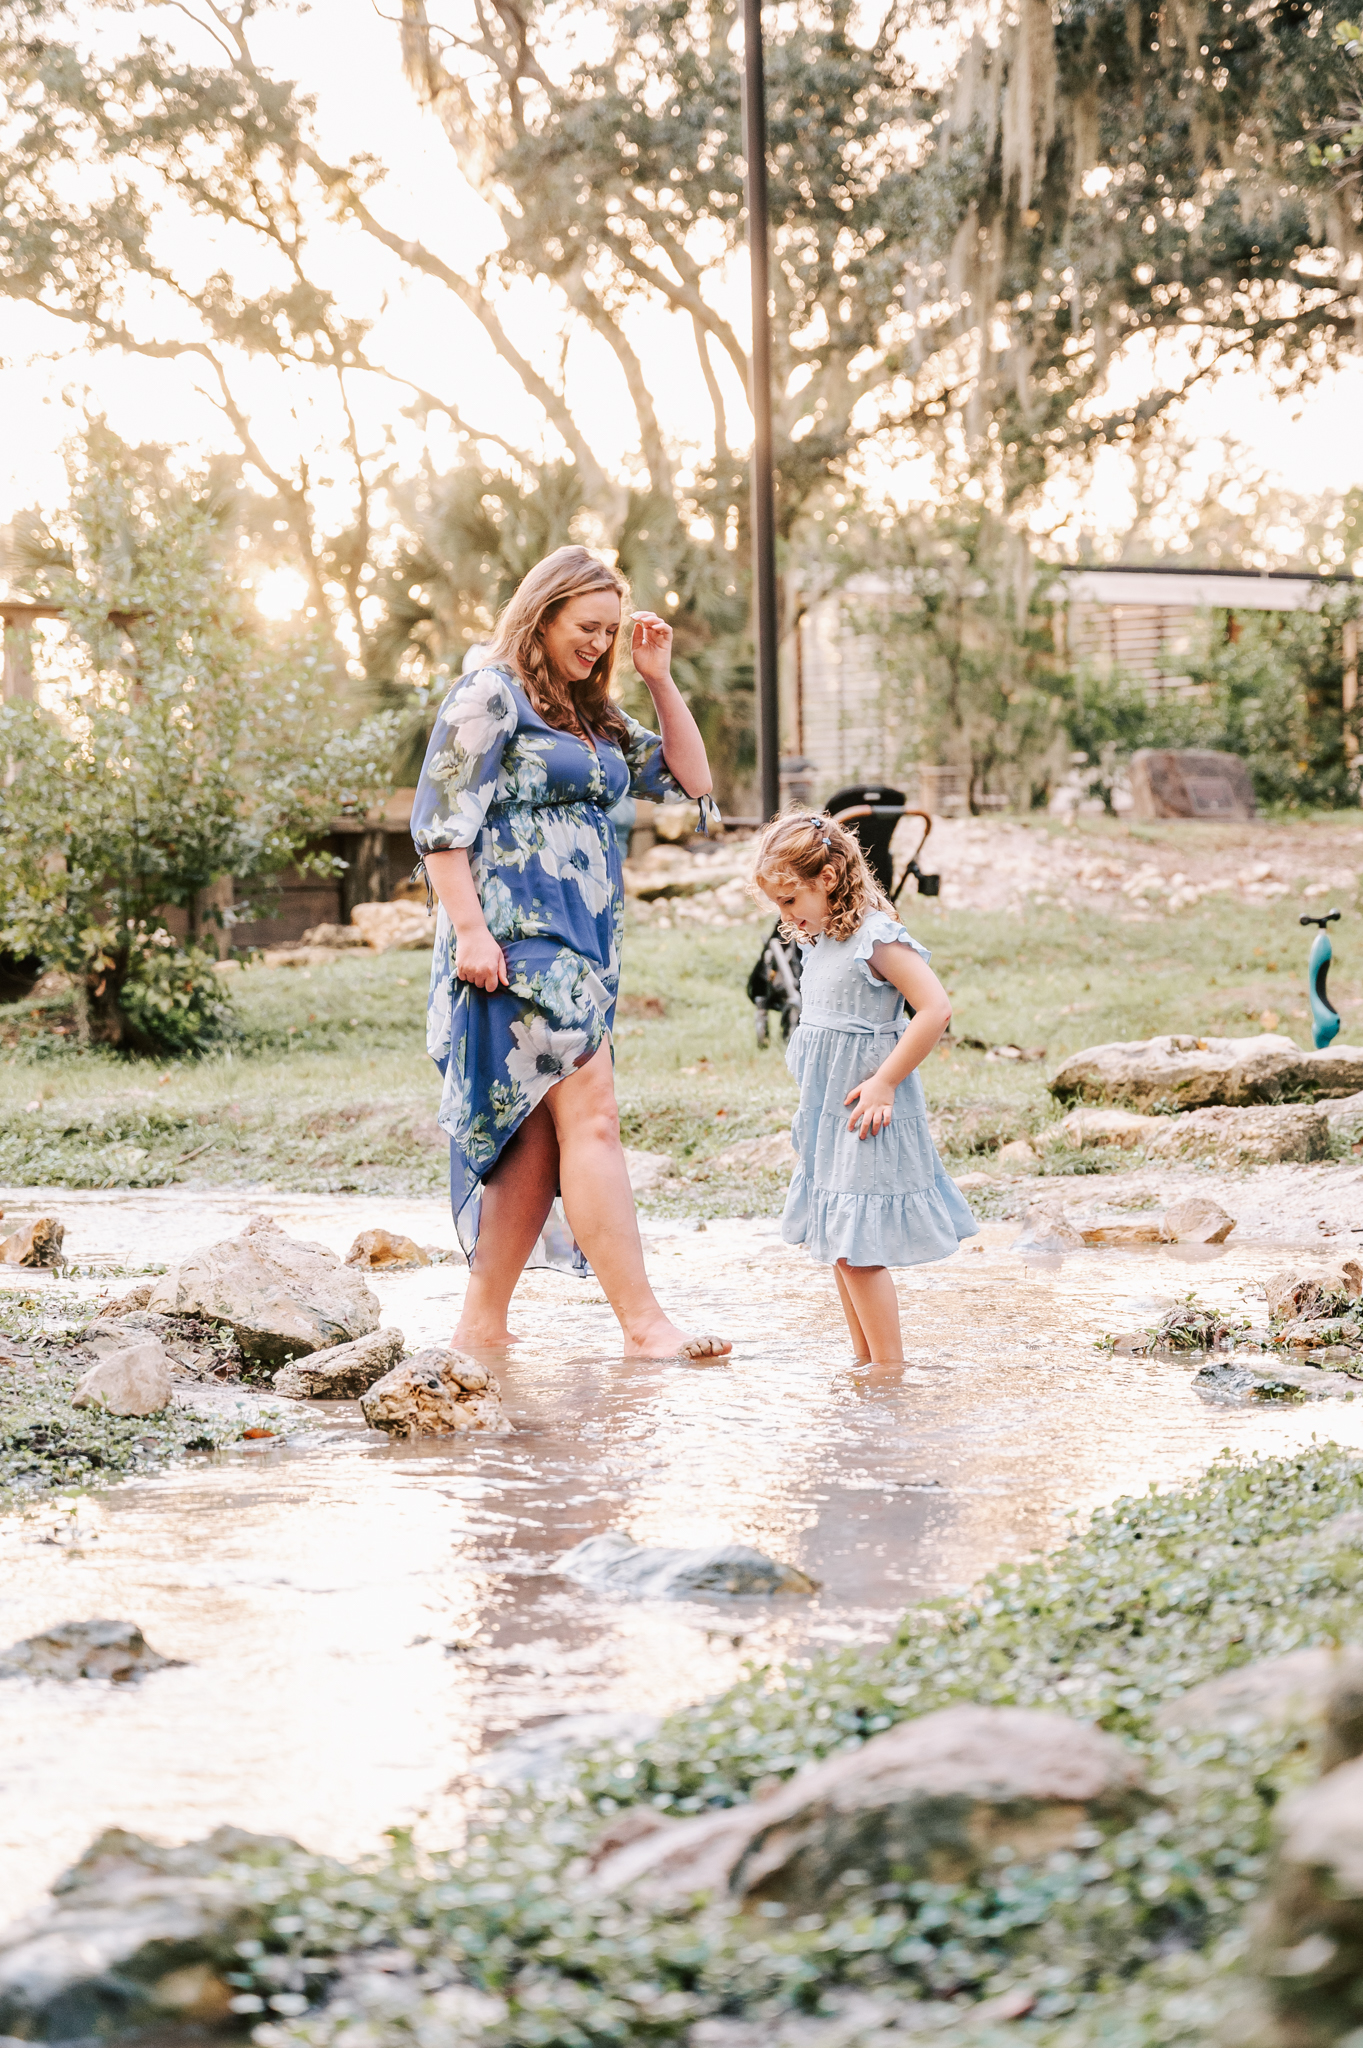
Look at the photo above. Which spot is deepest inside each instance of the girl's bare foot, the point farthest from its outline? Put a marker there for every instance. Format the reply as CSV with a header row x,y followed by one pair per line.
x,y
660,1338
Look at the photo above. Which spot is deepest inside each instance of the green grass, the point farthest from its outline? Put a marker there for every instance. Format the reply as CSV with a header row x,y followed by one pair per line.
x,y
327,1085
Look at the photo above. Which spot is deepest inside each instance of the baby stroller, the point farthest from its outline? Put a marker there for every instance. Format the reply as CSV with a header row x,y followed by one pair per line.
x,y
872,814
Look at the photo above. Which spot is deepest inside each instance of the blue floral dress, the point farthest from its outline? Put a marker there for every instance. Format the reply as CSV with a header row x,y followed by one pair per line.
x,y
882,1201
529,802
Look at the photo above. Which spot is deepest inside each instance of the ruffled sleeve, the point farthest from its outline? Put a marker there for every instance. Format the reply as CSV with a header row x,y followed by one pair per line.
x,y
459,776
881,929
649,774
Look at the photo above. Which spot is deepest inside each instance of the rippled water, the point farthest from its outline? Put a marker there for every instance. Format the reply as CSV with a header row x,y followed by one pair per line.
x,y
359,1619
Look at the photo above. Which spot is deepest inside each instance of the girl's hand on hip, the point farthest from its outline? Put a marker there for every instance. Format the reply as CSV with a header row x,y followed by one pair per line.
x,y
874,1101
479,959
650,648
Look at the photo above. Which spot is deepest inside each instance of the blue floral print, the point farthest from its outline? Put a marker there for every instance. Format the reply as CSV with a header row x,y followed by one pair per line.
x,y
529,802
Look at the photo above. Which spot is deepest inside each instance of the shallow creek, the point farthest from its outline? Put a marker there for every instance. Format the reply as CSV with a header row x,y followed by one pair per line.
x,y
360,1620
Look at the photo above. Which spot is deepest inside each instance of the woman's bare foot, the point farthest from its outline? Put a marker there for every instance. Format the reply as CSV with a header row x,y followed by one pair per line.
x,y
481,1337
660,1338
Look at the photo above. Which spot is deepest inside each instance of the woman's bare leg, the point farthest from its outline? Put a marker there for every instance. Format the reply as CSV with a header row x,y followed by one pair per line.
x,y
599,1204
860,1346
871,1291
517,1196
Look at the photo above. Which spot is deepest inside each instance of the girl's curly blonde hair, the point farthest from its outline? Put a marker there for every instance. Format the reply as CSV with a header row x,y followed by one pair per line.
x,y
798,846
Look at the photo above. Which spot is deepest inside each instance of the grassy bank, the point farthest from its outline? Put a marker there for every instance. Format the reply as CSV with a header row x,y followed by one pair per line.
x,y
327,1086
1132,1938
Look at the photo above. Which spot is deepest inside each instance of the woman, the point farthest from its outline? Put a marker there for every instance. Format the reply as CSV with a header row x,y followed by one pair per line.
x,y
527,756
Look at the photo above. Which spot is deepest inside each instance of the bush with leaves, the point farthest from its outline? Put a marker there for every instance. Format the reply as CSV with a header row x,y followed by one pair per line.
x,y
180,745
1275,696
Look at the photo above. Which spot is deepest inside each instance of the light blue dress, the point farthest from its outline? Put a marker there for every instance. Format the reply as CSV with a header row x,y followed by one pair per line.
x,y
882,1201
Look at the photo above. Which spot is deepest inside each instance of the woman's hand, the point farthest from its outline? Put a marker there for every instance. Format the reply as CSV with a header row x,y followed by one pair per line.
x,y
875,1106
650,649
479,959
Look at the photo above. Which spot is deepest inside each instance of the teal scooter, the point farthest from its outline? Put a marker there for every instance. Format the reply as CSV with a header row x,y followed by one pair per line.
x,y
1325,1018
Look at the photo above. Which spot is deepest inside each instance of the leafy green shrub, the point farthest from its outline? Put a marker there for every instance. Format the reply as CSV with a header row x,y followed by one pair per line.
x,y
1275,696
180,746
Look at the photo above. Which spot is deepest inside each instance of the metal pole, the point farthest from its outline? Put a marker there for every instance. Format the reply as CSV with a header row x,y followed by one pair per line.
x,y
767,694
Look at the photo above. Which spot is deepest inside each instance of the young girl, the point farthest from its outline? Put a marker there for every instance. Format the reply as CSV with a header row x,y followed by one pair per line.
x,y
869,1191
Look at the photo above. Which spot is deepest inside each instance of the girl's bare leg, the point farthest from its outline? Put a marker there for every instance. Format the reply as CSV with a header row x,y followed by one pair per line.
x,y
599,1204
860,1347
876,1305
517,1196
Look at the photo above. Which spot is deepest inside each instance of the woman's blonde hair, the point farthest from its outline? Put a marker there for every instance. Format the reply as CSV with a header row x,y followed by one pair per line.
x,y
798,846
518,642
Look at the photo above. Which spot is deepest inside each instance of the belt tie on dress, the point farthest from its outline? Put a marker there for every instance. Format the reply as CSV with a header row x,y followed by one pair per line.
x,y
860,1027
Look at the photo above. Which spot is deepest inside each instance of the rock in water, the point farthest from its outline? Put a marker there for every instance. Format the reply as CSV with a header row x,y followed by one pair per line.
x,y
116,1650
136,1936
1194,1073
280,1297
1199,1220
378,1249
614,1563
1317,1290
342,1373
136,1379
936,1797
1045,1229
435,1393
37,1244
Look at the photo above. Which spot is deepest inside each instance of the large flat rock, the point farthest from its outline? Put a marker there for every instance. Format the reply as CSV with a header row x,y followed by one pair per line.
x,y
281,1297
1182,1072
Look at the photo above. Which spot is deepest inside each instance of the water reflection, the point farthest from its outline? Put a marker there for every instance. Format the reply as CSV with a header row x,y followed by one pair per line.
x,y
359,1618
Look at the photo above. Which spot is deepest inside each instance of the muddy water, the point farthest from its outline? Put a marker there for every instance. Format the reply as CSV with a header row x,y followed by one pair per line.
x,y
359,1620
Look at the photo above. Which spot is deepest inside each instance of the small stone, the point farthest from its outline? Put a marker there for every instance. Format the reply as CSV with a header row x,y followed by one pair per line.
x,y
615,1563
115,1650
1314,1290
1016,1157
380,1249
137,1380
1045,1229
969,1182
342,1373
435,1393
37,1244
1134,1230
1198,1220
1135,1344
1122,1127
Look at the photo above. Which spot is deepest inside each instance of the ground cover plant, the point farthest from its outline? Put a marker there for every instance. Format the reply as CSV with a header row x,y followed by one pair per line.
x,y
1132,1936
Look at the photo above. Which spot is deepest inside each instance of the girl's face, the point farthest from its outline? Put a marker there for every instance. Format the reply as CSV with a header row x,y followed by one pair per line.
x,y
575,640
803,905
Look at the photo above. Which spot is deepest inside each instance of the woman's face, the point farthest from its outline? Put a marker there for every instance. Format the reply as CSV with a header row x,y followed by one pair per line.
x,y
575,640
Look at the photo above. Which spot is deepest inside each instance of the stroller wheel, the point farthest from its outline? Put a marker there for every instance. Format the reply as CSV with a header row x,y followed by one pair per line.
x,y
762,1026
